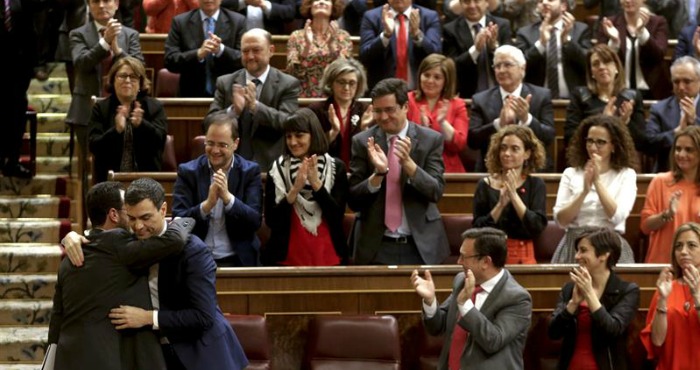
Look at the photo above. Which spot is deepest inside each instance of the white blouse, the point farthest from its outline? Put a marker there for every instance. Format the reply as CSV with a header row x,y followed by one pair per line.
x,y
621,185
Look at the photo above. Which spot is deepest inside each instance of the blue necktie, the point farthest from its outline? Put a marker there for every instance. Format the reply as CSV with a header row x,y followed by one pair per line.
x,y
208,63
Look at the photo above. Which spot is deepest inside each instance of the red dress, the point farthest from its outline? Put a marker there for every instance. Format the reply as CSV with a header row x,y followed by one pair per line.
x,y
307,249
583,358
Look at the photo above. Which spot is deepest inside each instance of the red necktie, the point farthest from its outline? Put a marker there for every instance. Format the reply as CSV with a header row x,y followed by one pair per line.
x,y
459,336
402,50
105,66
392,208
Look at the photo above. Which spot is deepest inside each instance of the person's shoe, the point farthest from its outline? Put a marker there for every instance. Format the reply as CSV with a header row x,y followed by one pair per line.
x,y
17,170
41,73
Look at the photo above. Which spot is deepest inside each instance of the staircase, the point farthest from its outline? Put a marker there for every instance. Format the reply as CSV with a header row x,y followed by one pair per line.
x,y
34,215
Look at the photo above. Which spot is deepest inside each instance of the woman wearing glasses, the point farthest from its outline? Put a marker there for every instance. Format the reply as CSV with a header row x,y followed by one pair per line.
x,y
320,42
435,104
600,187
127,129
342,115
605,93
305,195
596,307
672,197
509,198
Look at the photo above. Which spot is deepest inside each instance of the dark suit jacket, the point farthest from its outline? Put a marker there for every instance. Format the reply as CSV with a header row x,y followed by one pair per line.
x,y
419,195
278,99
278,216
664,116
486,107
573,55
87,58
189,315
187,35
674,11
651,55
380,61
497,331
281,12
107,145
243,219
456,41
114,273
609,324
685,42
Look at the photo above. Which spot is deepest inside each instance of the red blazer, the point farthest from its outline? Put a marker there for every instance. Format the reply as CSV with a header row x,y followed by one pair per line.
x,y
457,116
161,12
651,54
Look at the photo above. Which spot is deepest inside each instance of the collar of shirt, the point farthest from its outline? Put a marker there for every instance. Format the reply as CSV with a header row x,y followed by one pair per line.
x,y
559,25
515,92
98,27
401,134
406,13
165,227
249,77
481,21
226,169
203,16
489,284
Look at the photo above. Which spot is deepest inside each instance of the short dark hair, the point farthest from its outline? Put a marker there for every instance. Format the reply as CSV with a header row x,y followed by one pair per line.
x,y
222,119
305,120
604,240
145,188
489,241
101,198
391,86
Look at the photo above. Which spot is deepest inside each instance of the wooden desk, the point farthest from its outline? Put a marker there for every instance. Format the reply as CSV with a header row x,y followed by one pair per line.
x,y
290,297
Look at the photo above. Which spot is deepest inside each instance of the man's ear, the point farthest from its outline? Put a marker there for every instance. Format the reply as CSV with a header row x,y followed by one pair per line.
x,y
113,215
164,209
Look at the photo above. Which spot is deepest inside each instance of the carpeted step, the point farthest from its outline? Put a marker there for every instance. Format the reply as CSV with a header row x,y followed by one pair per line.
x,y
54,85
26,344
39,184
15,312
36,366
50,103
50,144
39,286
33,230
37,206
51,122
57,166
32,258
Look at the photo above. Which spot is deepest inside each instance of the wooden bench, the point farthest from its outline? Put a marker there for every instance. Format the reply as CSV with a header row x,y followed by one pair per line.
x,y
289,297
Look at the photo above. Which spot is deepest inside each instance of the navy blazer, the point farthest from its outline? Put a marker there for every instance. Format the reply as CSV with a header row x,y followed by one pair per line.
x,y
419,195
187,35
456,41
281,12
189,315
380,61
685,42
243,219
486,107
573,55
664,116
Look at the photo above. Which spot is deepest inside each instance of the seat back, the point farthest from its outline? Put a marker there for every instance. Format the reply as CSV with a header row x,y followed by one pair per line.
x,y
353,342
546,243
167,84
169,160
251,331
198,146
430,348
455,225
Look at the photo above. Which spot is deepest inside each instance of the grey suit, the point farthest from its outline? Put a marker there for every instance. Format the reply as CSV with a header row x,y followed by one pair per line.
x,y
87,58
497,331
264,130
419,195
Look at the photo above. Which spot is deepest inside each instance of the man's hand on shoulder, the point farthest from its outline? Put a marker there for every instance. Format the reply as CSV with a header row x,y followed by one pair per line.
x,y
72,245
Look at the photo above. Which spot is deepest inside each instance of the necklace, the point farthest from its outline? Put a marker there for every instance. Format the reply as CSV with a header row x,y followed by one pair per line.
x,y
686,296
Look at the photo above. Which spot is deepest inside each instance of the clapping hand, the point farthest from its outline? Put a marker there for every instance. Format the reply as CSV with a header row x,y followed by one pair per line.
x,y
425,287
664,284
136,115
120,118
238,98
388,22
469,284
414,23
377,156
610,30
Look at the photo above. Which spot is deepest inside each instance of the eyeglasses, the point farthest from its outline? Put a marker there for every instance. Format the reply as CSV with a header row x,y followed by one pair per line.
x,y
463,257
344,83
597,142
211,144
504,65
387,110
125,76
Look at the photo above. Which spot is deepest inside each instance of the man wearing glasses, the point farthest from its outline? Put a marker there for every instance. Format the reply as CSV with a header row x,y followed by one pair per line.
x,y
222,191
485,319
512,102
676,112
395,183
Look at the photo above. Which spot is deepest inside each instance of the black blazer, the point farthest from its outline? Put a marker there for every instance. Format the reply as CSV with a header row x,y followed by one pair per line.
x,y
114,273
107,145
357,109
282,11
187,35
456,41
609,324
277,217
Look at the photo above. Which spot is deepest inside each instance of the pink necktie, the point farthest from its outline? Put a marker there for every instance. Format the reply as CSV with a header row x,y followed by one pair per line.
x,y
402,50
392,211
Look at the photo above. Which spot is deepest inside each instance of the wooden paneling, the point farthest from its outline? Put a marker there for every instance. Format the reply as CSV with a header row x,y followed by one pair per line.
x,y
290,297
